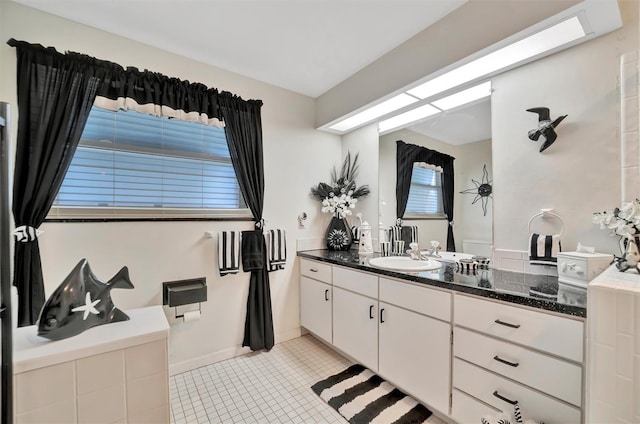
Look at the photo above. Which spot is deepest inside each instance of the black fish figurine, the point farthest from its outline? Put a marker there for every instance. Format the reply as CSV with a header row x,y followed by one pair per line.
x,y
545,127
82,301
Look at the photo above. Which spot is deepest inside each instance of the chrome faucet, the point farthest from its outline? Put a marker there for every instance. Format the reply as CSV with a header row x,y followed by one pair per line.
x,y
434,249
414,252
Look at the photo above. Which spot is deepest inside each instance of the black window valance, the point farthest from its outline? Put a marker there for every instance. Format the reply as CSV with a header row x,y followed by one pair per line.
x,y
144,91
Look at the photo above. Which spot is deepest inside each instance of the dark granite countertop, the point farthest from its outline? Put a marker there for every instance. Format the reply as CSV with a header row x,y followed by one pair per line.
x,y
538,291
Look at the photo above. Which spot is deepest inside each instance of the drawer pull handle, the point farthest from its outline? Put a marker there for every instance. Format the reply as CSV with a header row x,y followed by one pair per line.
x,y
499,396
381,318
507,324
313,269
371,312
326,295
504,361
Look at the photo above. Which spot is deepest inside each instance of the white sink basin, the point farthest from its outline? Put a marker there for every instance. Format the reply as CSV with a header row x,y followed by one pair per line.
x,y
404,264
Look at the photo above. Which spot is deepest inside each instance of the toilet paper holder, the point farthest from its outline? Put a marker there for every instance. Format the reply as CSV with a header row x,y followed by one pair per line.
x,y
184,292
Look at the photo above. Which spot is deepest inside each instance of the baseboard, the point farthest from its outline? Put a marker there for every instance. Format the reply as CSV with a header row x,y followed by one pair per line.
x,y
224,354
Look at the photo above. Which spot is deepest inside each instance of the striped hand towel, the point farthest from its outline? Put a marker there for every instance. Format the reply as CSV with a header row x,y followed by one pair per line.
x,y
408,233
543,249
228,252
276,249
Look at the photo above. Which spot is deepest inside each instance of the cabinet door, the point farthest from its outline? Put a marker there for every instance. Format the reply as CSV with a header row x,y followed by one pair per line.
x,y
355,326
315,307
415,354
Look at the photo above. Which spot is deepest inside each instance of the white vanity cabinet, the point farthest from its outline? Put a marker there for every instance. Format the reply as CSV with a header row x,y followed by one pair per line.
x,y
506,353
355,315
316,293
463,356
415,341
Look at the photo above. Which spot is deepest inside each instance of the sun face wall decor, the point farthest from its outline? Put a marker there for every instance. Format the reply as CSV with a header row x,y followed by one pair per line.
x,y
483,190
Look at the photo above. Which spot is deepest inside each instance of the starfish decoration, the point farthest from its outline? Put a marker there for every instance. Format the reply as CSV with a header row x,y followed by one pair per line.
x,y
482,190
88,307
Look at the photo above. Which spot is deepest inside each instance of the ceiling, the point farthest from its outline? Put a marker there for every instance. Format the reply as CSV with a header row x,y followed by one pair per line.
x,y
462,125
307,46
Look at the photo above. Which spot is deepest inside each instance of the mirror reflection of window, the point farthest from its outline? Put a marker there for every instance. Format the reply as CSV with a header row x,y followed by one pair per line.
x,y
425,193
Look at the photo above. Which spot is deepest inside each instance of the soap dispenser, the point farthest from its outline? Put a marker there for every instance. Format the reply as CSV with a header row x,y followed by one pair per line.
x,y
366,247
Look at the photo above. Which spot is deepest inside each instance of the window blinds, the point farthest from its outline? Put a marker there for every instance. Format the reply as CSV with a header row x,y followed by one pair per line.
x,y
425,194
131,160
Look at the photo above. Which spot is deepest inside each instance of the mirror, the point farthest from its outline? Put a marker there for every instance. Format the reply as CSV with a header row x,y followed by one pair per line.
x,y
465,134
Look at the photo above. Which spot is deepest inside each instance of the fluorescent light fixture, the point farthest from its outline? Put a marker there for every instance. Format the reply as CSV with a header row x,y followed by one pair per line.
x,y
464,96
394,103
548,39
409,116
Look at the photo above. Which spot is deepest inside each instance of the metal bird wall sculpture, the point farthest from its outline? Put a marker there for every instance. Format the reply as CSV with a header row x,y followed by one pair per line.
x,y
545,127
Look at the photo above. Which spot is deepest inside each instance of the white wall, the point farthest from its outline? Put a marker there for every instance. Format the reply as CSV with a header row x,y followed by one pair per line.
x,y
470,222
580,173
364,141
295,156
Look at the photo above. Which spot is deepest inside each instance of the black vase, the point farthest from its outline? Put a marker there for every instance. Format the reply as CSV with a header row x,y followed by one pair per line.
x,y
338,234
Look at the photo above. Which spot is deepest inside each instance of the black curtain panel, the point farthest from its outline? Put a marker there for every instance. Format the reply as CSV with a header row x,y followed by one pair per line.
x,y
406,156
243,128
55,95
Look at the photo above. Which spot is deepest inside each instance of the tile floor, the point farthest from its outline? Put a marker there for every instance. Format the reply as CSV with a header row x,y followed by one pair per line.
x,y
260,387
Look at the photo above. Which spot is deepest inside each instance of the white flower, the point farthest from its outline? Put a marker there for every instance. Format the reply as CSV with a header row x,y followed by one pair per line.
x,y
339,206
623,221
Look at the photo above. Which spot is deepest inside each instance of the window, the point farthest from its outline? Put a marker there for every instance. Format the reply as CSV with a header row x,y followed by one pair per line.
x,y
425,193
129,164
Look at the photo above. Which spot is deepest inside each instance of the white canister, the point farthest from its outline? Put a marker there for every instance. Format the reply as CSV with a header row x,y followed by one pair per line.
x,y
366,247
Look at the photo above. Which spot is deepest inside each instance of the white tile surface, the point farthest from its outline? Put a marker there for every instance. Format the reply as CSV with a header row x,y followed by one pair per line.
x,y
261,387
31,394
630,155
146,359
106,406
99,372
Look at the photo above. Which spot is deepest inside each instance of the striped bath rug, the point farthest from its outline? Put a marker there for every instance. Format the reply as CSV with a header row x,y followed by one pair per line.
x,y
361,397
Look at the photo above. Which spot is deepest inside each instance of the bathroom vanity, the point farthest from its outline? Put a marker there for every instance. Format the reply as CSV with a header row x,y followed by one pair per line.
x,y
467,344
110,373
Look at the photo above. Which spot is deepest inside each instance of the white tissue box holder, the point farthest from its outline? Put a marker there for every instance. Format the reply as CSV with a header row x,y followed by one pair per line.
x,y
578,268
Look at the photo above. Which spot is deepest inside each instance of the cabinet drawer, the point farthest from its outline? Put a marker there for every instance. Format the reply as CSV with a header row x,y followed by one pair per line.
x,y
359,282
423,300
550,375
316,270
468,410
549,333
487,386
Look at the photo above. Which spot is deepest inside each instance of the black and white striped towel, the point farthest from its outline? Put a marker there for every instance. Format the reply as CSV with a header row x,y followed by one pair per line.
x,y
408,233
276,242
355,233
543,249
228,252
361,397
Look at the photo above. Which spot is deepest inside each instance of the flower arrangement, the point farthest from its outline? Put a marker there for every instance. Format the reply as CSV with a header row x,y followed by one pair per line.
x,y
341,195
623,221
